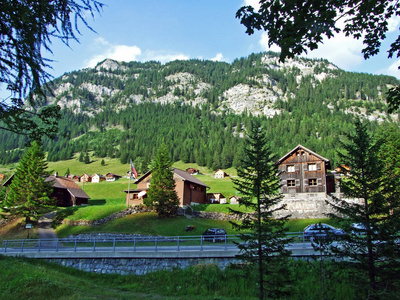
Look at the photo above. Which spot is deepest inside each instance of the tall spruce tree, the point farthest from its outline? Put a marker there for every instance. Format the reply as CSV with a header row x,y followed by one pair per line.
x,y
161,193
264,238
374,247
29,194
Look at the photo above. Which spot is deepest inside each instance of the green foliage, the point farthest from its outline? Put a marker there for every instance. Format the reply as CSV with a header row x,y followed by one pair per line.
x,y
29,194
377,188
161,193
24,69
292,26
264,238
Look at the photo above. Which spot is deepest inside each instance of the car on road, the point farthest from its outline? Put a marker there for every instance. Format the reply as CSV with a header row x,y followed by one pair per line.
x,y
214,235
322,231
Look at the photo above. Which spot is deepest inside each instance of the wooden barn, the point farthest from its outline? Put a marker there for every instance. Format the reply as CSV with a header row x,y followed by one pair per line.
x,y
189,189
67,192
303,171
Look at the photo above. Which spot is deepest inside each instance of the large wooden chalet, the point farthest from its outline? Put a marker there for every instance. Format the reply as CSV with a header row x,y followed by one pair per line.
x,y
189,189
67,192
303,171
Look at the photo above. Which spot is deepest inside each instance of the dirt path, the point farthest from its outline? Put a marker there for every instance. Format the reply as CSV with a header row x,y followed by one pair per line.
x,y
45,230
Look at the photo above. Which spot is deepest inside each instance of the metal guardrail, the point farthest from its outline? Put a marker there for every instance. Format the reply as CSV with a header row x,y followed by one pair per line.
x,y
174,243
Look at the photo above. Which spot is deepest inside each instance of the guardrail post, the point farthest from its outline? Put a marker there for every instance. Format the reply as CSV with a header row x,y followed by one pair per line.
x,y
201,243
178,244
114,244
22,246
40,245
5,247
155,242
304,241
226,247
56,245
94,244
75,246
134,243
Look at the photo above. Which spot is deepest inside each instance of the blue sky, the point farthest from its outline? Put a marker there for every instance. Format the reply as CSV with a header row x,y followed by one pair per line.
x,y
163,30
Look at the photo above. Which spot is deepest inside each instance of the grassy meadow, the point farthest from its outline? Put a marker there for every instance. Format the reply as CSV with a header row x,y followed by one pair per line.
x,y
36,279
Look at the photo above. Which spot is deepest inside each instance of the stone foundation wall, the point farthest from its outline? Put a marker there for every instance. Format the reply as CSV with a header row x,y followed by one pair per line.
x,y
138,266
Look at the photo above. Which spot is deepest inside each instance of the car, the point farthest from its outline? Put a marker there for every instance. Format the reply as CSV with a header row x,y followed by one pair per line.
x,y
360,229
322,231
214,235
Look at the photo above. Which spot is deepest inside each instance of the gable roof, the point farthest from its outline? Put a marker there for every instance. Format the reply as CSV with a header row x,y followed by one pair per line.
x,y
305,149
185,176
68,184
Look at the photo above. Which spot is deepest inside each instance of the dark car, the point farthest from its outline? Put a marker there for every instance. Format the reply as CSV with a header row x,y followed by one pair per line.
x,y
214,235
322,231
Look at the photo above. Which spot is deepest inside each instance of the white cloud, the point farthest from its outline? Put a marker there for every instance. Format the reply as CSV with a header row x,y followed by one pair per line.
x,y
163,56
264,43
218,57
116,52
345,52
254,3
129,53
393,69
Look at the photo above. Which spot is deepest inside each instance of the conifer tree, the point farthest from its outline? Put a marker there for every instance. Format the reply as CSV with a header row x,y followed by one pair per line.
x,y
264,237
373,247
29,194
161,193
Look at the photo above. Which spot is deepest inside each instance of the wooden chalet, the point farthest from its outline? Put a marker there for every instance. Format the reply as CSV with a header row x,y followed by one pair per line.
x,y
189,189
86,178
234,199
192,171
303,171
220,174
96,178
67,192
216,198
112,177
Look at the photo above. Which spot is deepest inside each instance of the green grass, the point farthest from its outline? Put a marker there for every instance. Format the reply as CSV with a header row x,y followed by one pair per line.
x,y
149,223
36,279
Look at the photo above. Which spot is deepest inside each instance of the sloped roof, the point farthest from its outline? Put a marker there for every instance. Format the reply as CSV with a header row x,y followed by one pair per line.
x,y
185,176
68,184
303,148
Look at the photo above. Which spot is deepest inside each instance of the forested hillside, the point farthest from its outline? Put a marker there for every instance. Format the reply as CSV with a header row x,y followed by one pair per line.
x,y
200,109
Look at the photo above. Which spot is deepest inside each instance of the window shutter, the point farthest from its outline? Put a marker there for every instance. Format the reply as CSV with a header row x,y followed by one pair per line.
x,y
297,167
305,182
319,181
305,167
297,182
318,166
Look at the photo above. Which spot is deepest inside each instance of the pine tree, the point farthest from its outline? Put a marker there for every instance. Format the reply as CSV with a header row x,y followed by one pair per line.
x,y
373,248
86,160
264,237
161,193
29,194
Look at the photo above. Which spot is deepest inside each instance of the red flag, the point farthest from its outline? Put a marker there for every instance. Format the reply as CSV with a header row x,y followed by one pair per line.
x,y
133,170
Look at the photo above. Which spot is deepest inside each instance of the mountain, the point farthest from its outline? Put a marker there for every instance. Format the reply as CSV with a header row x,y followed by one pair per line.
x,y
200,109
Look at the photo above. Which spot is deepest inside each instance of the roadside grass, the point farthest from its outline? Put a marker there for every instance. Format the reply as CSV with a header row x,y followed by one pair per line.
x,y
36,279
15,229
148,224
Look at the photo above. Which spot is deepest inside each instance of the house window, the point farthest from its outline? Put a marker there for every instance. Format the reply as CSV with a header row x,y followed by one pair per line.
x,y
312,167
290,168
291,182
312,181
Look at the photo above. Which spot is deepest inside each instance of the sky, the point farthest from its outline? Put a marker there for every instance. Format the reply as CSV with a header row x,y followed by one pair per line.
x,y
165,30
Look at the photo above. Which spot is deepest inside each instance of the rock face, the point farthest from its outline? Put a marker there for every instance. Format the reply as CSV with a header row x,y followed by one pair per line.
x,y
110,85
